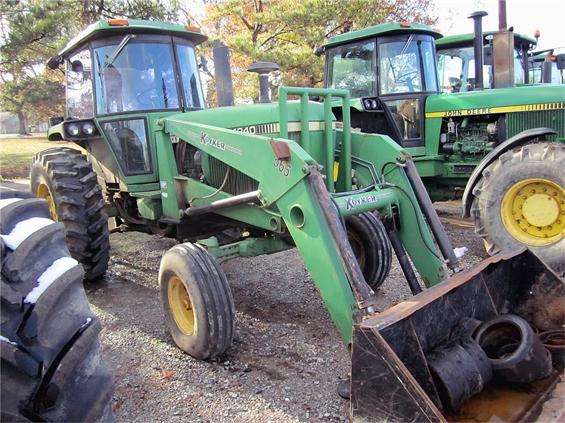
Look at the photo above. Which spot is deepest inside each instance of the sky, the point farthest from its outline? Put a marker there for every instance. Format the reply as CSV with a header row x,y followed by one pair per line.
x,y
524,15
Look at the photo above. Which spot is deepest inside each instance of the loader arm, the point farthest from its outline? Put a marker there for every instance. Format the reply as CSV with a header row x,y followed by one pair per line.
x,y
292,189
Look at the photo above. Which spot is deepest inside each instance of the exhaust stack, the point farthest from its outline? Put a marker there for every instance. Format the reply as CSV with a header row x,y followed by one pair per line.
x,y
263,69
222,74
503,51
478,46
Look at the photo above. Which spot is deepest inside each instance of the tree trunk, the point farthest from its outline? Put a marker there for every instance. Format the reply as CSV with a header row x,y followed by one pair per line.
x,y
23,124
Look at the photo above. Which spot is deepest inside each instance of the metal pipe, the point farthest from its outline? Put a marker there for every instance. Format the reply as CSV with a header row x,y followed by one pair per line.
x,y
283,113
304,123
346,151
264,89
329,143
427,208
478,47
236,200
404,262
365,201
222,74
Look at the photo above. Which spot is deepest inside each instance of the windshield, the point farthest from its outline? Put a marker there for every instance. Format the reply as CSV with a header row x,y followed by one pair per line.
x,y
352,67
132,76
456,68
402,62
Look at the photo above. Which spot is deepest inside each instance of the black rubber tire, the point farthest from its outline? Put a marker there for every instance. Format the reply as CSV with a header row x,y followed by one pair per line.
x,y
369,240
211,299
50,352
524,358
538,160
79,203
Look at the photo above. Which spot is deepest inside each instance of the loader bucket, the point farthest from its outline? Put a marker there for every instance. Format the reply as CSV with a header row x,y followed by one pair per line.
x,y
393,377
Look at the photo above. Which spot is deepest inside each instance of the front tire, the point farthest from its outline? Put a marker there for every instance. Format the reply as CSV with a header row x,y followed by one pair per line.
x,y
371,246
197,300
520,201
65,178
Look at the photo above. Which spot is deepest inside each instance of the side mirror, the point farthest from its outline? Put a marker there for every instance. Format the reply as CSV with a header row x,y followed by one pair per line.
x,y
203,64
318,51
560,61
55,120
77,66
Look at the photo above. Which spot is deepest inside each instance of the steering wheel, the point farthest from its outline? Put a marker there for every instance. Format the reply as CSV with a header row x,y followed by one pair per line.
x,y
402,77
146,97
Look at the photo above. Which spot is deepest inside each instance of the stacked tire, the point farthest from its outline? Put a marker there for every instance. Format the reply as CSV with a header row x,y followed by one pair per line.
x,y
50,352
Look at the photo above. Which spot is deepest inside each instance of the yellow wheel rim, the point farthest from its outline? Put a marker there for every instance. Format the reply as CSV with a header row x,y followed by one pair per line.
x,y
181,306
533,211
43,192
358,248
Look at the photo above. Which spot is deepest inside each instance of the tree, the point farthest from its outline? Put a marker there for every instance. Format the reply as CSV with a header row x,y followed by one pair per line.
x,y
288,31
32,31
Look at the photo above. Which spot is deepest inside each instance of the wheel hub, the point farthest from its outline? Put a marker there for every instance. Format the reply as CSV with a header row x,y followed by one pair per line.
x,y
181,306
44,192
533,211
540,210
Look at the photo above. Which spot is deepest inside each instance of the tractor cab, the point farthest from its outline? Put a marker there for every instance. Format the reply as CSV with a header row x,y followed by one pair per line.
x,y
456,61
122,75
392,67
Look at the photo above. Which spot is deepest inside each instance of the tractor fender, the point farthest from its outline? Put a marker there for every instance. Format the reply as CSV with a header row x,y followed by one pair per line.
x,y
517,140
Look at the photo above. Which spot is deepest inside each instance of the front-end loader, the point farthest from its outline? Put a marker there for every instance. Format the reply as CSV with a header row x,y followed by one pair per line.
x,y
234,181
500,149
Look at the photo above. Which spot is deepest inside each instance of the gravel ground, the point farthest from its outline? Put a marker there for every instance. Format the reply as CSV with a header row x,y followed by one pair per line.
x,y
287,356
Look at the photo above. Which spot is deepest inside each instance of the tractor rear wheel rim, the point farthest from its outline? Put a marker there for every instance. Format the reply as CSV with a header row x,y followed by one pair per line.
x,y
533,211
44,192
181,306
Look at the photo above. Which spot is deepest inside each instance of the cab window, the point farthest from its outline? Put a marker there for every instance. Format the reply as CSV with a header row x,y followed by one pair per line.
x,y
135,75
352,67
128,139
79,99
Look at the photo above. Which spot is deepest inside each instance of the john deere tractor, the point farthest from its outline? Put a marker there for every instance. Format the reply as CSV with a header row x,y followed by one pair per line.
x,y
501,149
456,55
244,181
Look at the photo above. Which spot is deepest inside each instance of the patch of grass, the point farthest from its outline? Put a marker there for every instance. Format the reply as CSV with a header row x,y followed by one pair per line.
x,y
16,154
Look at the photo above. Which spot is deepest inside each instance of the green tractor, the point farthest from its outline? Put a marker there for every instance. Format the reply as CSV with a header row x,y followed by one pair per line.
x,y
456,55
250,180
500,149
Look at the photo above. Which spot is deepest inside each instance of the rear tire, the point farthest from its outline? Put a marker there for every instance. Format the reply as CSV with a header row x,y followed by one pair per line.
x,y
197,300
65,178
369,241
51,368
531,174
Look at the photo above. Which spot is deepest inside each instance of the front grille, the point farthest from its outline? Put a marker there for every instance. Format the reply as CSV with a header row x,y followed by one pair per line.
x,y
554,119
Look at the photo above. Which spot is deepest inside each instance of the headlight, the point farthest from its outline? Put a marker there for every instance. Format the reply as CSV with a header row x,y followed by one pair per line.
x,y
73,130
88,128
367,104
374,104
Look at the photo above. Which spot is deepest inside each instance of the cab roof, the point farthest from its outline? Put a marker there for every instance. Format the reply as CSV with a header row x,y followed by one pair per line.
x,y
389,28
110,27
461,40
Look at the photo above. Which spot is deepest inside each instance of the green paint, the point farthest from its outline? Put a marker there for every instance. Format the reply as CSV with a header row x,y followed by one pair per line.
x,y
466,40
389,28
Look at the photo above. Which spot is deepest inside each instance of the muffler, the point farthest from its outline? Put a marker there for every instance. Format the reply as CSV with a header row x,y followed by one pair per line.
x,y
395,374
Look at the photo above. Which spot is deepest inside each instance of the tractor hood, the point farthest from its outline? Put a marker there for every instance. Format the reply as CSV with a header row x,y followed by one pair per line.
x,y
500,100
256,118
